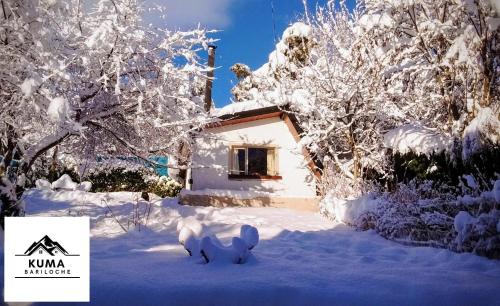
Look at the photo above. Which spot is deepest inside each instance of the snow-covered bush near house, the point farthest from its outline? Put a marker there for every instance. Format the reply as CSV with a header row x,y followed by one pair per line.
x,y
481,133
347,201
107,164
118,179
84,186
419,214
164,187
348,211
416,214
301,259
478,234
43,184
416,139
63,183
476,226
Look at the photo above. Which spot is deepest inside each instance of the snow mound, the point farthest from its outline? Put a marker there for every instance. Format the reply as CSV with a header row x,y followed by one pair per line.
x,y
185,234
43,184
416,139
65,183
212,250
250,235
485,126
84,186
347,211
192,223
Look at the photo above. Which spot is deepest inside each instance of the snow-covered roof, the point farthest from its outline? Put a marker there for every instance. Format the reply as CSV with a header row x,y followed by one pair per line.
x,y
418,139
238,107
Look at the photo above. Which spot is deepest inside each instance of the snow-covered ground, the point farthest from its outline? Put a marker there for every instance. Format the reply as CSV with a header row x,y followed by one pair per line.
x,y
301,259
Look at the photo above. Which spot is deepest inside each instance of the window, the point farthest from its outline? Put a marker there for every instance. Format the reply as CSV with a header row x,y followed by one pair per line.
x,y
253,162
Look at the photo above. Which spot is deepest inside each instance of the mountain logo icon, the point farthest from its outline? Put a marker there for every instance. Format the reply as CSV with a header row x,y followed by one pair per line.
x,y
47,246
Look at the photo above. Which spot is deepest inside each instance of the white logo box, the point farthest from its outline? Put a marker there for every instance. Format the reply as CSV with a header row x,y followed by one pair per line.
x,y
46,259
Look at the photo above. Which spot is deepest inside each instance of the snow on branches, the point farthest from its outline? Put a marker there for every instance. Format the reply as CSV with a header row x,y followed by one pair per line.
x,y
93,79
352,76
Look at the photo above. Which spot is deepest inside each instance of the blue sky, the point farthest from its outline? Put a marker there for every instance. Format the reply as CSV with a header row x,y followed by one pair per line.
x,y
246,31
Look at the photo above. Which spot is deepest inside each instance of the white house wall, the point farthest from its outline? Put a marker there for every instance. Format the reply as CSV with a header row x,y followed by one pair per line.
x,y
211,159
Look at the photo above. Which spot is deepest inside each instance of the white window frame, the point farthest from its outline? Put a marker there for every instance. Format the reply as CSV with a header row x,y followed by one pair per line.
x,y
245,147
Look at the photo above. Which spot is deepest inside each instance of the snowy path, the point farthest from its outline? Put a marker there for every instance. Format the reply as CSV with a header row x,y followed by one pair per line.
x,y
302,259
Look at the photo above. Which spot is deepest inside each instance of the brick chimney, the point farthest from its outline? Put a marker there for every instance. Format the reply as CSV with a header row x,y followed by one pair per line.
x,y
210,78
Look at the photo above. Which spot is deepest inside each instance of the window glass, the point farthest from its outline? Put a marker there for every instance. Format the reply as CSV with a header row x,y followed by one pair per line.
x,y
257,161
238,166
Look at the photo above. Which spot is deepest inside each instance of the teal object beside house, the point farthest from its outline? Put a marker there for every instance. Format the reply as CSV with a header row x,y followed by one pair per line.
x,y
162,169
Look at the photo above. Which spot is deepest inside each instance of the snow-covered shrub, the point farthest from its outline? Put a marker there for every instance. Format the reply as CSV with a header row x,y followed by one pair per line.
x,y
482,133
50,169
416,213
43,184
84,186
64,183
477,224
420,214
351,211
479,234
137,179
448,171
164,187
346,200
118,180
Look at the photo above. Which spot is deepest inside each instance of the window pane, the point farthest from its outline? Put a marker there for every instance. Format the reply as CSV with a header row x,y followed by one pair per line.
x,y
238,166
257,161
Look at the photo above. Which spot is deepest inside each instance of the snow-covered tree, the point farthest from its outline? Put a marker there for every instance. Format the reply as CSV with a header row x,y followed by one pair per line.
x,y
321,68
353,75
92,78
440,58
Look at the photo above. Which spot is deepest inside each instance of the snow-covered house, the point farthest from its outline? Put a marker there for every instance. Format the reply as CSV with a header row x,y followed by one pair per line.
x,y
252,157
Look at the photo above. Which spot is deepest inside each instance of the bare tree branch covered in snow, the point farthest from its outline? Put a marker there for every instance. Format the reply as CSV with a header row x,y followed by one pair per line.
x,y
93,79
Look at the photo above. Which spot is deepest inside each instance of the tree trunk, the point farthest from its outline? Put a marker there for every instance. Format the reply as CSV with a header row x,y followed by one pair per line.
x,y
355,154
10,193
12,177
